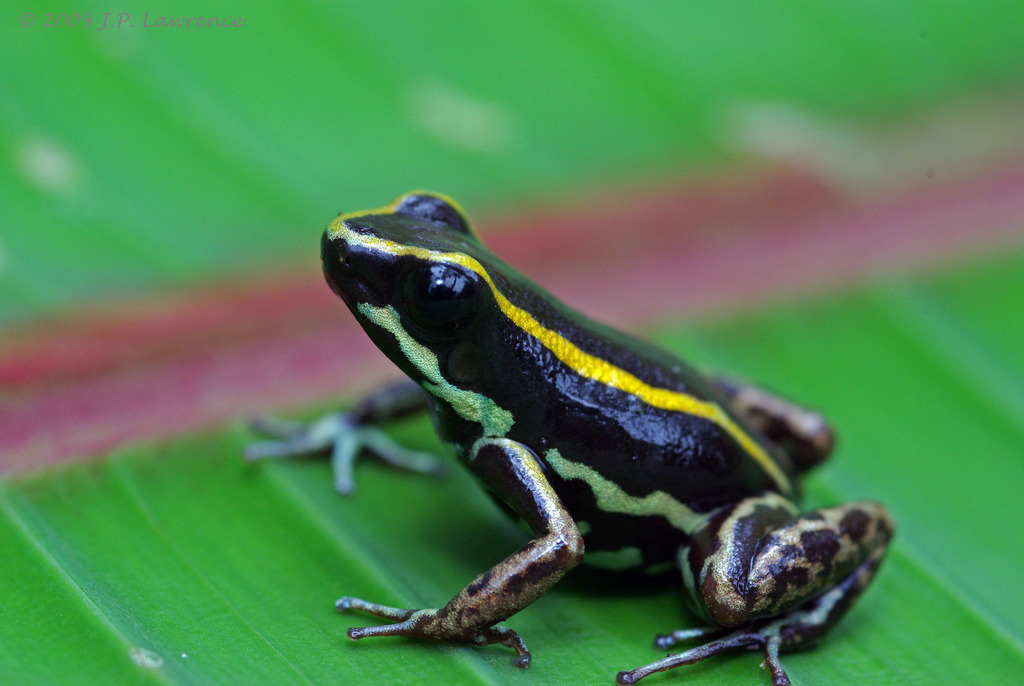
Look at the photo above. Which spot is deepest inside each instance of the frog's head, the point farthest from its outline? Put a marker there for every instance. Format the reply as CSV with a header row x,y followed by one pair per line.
x,y
412,276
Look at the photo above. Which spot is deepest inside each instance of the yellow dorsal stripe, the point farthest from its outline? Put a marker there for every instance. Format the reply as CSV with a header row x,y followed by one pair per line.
x,y
583,363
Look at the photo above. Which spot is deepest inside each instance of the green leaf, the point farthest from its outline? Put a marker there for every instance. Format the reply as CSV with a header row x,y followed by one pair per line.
x,y
181,563
139,156
142,158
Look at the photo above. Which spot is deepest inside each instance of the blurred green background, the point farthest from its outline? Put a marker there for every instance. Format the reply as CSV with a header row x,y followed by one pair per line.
x,y
136,158
140,159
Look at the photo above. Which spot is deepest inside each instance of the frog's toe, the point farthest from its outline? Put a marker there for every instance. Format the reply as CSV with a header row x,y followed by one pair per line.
x,y
395,455
396,614
666,641
274,426
291,447
506,637
263,449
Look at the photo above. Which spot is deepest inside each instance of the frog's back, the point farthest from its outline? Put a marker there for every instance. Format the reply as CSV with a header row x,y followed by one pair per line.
x,y
640,416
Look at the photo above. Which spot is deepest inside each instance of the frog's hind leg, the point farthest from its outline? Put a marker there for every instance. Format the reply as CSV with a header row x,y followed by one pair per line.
x,y
796,630
777,581
803,434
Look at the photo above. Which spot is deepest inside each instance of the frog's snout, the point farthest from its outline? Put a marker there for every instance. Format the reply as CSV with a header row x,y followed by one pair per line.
x,y
355,273
337,263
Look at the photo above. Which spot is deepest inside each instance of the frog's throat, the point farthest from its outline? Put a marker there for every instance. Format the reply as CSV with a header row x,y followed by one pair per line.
x,y
583,363
496,421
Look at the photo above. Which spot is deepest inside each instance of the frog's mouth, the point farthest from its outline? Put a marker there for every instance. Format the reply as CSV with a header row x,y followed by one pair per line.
x,y
348,276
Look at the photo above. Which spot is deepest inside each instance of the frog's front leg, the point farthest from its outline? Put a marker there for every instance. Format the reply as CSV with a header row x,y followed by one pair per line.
x,y
346,434
512,471
775,579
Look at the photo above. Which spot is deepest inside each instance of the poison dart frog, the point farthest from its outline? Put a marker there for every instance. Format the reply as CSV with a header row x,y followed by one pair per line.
x,y
612,451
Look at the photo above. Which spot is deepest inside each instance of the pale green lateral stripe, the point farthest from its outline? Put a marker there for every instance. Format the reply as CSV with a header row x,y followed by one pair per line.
x,y
496,421
611,498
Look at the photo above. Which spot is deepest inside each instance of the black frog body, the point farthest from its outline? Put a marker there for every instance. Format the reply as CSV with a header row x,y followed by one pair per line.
x,y
613,451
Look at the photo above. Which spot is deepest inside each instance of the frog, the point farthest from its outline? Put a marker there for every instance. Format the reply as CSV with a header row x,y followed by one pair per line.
x,y
613,452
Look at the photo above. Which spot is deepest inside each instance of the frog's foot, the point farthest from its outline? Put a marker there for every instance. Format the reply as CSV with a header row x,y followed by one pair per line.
x,y
431,624
770,643
345,438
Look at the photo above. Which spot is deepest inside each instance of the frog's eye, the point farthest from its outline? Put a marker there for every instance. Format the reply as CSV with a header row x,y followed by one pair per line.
x,y
440,301
433,208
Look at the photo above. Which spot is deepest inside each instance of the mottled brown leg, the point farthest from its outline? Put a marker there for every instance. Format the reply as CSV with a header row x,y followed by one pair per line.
x,y
514,474
759,558
780,579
